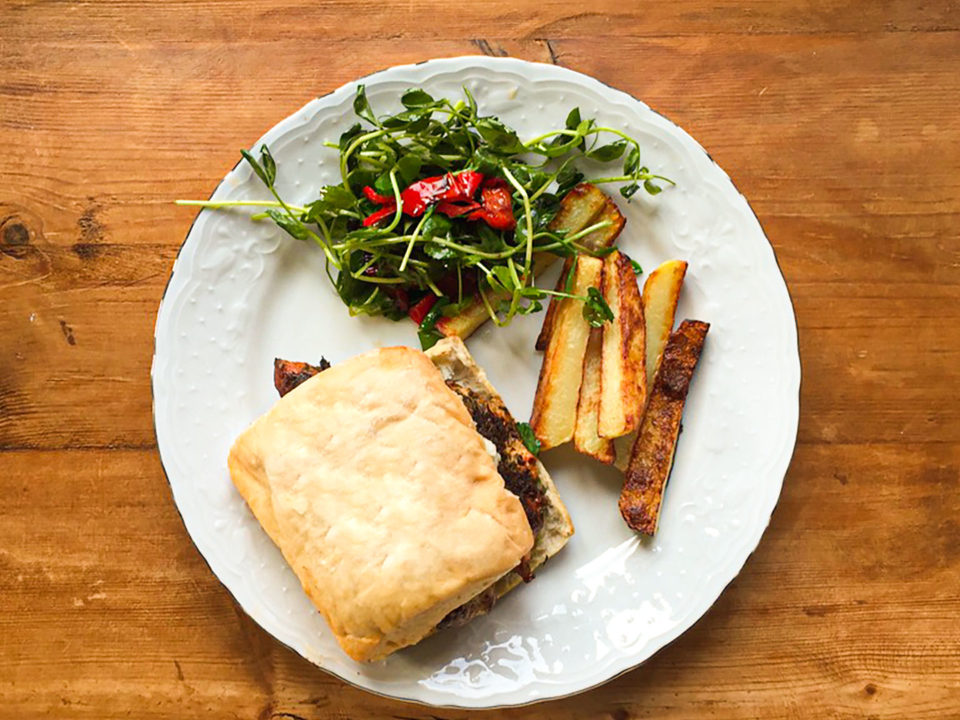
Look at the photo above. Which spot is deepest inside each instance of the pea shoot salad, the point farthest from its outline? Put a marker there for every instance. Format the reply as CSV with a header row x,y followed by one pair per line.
x,y
439,205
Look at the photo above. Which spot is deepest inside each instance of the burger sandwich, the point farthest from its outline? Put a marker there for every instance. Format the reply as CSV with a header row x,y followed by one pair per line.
x,y
399,489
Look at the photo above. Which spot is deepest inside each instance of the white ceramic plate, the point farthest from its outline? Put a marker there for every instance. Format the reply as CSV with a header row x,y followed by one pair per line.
x,y
242,293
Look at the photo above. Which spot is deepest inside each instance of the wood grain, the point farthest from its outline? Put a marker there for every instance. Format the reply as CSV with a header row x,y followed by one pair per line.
x,y
836,119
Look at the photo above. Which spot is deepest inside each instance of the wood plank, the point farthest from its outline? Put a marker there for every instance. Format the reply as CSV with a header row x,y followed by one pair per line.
x,y
881,117
133,612
130,23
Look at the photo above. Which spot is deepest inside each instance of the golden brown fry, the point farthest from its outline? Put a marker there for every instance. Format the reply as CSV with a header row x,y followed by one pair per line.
x,y
606,236
623,380
578,208
661,292
572,217
652,456
558,389
550,315
585,437
466,322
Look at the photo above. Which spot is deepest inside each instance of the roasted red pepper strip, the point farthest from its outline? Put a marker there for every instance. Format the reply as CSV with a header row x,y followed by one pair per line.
x,y
497,210
419,311
376,198
379,215
467,184
424,192
453,210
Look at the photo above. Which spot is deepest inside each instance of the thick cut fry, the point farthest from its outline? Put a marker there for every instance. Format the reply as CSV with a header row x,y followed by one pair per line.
x,y
606,236
652,456
577,210
558,389
623,379
585,437
476,314
550,315
661,292
573,209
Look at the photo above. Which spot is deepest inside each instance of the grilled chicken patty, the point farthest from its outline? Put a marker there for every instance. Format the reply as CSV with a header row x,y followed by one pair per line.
x,y
517,466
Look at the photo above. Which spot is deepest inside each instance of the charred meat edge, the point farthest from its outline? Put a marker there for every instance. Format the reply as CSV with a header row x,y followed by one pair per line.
x,y
287,374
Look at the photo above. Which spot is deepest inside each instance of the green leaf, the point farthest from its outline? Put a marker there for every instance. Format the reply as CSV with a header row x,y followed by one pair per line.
x,y
637,270
395,122
408,168
603,252
559,146
568,281
419,124
416,98
268,165
348,137
501,139
485,162
628,191
456,142
361,106
383,185
529,437
333,198
471,102
293,227
651,188
438,251
528,307
533,293
582,129
531,178
606,153
573,119
266,174
429,338
567,179
632,162
409,119
595,308
427,330
437,226
504,277
338,197
490,239
359,179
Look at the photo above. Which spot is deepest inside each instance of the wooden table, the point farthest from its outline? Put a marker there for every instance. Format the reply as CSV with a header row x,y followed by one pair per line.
x,y
840,123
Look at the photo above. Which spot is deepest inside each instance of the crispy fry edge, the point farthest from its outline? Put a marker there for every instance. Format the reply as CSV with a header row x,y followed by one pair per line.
x,y
651,461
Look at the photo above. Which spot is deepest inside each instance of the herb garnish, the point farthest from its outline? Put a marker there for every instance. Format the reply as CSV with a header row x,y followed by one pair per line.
x,y
529,437
438,200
